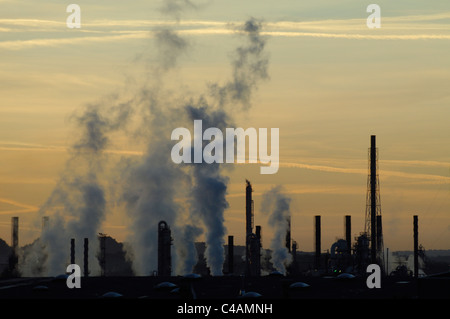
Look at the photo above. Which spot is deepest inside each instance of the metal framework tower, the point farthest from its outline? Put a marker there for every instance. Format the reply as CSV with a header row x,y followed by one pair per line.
x,y
373,227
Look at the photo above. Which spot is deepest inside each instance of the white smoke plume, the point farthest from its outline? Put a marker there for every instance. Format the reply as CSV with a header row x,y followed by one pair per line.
x,y
149,186
78,201
276,205
208,196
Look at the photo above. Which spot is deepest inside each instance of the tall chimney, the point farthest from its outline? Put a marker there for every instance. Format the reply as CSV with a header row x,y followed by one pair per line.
x,y
348,233
230,254
86,255
102,258
164,249
373,198
248,226
248,208
255,252
294,252
288,234
72,251
317,242
15,233
416,246
15,245
258,232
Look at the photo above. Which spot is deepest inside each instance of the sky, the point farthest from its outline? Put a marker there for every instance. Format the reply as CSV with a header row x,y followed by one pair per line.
x,y
332,83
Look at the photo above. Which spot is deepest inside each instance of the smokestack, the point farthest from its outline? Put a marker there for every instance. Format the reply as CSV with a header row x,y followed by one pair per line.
x,y
230,254
248,225
288,234
72,251
348,233
164,254
86,255
373,198
102,254
14,261
294,252
317,242
15,233
255,253
258,232
249,208
416,246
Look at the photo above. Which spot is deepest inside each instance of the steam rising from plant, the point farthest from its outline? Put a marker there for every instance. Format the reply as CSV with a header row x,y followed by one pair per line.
x,y
190,198
78,200
276,205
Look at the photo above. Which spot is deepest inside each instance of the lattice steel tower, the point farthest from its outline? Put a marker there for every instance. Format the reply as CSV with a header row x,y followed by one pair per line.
x,y
373,224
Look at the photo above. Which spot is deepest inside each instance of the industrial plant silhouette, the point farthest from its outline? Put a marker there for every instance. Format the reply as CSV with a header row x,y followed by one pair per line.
x,y
248,271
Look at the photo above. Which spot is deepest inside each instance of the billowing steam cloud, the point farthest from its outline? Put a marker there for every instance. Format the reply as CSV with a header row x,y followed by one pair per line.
x,y
277,205
190,198
78,201
208,196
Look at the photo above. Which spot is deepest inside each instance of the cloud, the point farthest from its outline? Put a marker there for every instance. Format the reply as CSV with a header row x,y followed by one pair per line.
x,y
23,208
20,146
361,36
413,27
417,163
30,147
383,173
26,44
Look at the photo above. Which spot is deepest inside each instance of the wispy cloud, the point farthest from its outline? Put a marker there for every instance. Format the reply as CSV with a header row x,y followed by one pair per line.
x,y
361,36
20,146
417,163
31,147
383,173
50,42
21,207
414,27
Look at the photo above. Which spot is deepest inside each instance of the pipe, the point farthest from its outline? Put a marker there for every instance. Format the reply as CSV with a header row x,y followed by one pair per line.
x,y
86,255
72,251
230,254
416,245
348,232
373,198
317,242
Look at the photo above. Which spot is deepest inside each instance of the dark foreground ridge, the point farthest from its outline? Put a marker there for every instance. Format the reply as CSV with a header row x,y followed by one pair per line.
x,y
227,287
